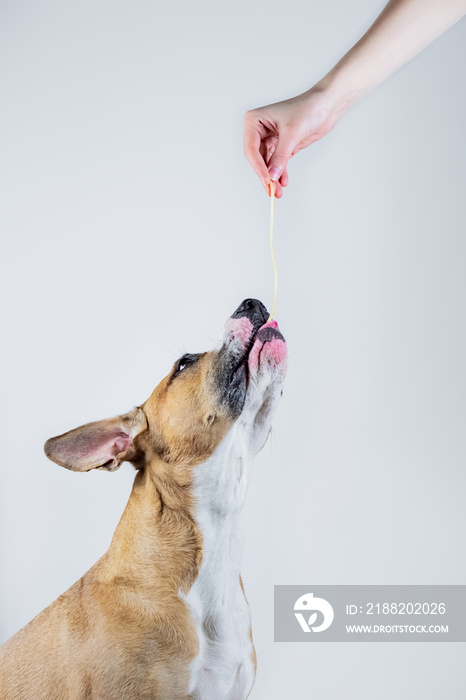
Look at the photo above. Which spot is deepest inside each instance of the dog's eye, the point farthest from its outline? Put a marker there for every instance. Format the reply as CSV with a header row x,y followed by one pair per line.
x,y
184,362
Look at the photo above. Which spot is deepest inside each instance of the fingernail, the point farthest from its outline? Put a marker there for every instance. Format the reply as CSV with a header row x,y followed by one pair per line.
x,y
274,173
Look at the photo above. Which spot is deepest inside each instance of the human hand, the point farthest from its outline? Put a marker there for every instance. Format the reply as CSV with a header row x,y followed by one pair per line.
x,y
274,133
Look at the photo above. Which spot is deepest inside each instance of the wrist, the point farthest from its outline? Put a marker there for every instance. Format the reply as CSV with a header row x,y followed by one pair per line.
x,y
336,93
326,102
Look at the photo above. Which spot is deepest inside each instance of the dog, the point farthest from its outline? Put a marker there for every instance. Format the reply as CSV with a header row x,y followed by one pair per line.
x,y
163,614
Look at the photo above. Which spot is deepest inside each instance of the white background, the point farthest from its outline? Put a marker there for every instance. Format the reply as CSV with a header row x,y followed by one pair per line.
x,y
132,226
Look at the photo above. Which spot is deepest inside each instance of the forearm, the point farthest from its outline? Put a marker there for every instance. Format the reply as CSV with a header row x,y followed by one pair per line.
x,y
400,32
274,133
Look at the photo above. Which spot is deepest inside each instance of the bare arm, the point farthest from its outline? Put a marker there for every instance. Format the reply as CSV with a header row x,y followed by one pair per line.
x,y
274,133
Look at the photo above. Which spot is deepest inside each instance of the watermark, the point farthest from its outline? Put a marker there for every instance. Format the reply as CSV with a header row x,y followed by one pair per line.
x,y
370,613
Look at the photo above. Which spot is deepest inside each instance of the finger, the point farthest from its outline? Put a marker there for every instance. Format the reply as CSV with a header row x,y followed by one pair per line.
x,y
284,178
281,155
270,142
278,190
252,150
263,150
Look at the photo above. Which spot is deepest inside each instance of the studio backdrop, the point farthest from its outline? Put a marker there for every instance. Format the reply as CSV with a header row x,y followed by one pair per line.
x,y
132,226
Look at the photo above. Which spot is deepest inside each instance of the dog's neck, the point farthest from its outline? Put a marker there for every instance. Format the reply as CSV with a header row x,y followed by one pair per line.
x,y
220,487
181,525
157,546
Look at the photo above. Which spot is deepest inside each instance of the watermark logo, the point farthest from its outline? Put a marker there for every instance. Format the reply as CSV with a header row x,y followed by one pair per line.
x,y
370,613
308,603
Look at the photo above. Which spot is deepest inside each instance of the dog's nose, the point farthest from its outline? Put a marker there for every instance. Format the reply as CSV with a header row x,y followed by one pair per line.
x,y
253,309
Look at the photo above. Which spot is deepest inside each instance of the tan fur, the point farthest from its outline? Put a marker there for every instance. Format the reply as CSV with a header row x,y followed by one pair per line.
x,y
122,631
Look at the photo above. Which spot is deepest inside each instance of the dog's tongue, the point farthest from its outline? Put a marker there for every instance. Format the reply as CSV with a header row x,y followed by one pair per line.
x,y
270,324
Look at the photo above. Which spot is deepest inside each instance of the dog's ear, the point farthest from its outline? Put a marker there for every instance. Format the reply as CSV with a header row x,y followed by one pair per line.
x,y
104,444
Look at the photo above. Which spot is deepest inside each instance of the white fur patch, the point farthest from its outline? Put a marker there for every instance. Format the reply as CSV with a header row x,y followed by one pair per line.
x,y
223,669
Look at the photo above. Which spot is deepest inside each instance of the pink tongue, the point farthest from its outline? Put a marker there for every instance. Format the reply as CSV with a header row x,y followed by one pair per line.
x,y
270,324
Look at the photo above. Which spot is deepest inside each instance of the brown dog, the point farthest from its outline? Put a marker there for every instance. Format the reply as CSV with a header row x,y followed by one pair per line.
x,y
162,615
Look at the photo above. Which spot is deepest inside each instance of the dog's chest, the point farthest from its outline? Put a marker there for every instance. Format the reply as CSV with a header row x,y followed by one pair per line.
x,y
224,668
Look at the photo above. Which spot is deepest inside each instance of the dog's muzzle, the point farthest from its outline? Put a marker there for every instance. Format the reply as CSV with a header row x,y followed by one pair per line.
x,y
247,331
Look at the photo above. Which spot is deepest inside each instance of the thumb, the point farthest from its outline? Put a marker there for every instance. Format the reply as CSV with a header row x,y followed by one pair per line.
x,y
281,155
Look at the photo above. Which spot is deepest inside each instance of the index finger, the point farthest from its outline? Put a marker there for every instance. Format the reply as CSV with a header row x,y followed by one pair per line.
x,y
251,146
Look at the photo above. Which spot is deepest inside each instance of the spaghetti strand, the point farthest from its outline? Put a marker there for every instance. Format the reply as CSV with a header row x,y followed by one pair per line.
x,y
274,263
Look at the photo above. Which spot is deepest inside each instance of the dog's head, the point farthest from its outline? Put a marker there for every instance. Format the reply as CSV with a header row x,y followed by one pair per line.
x,y
194,407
